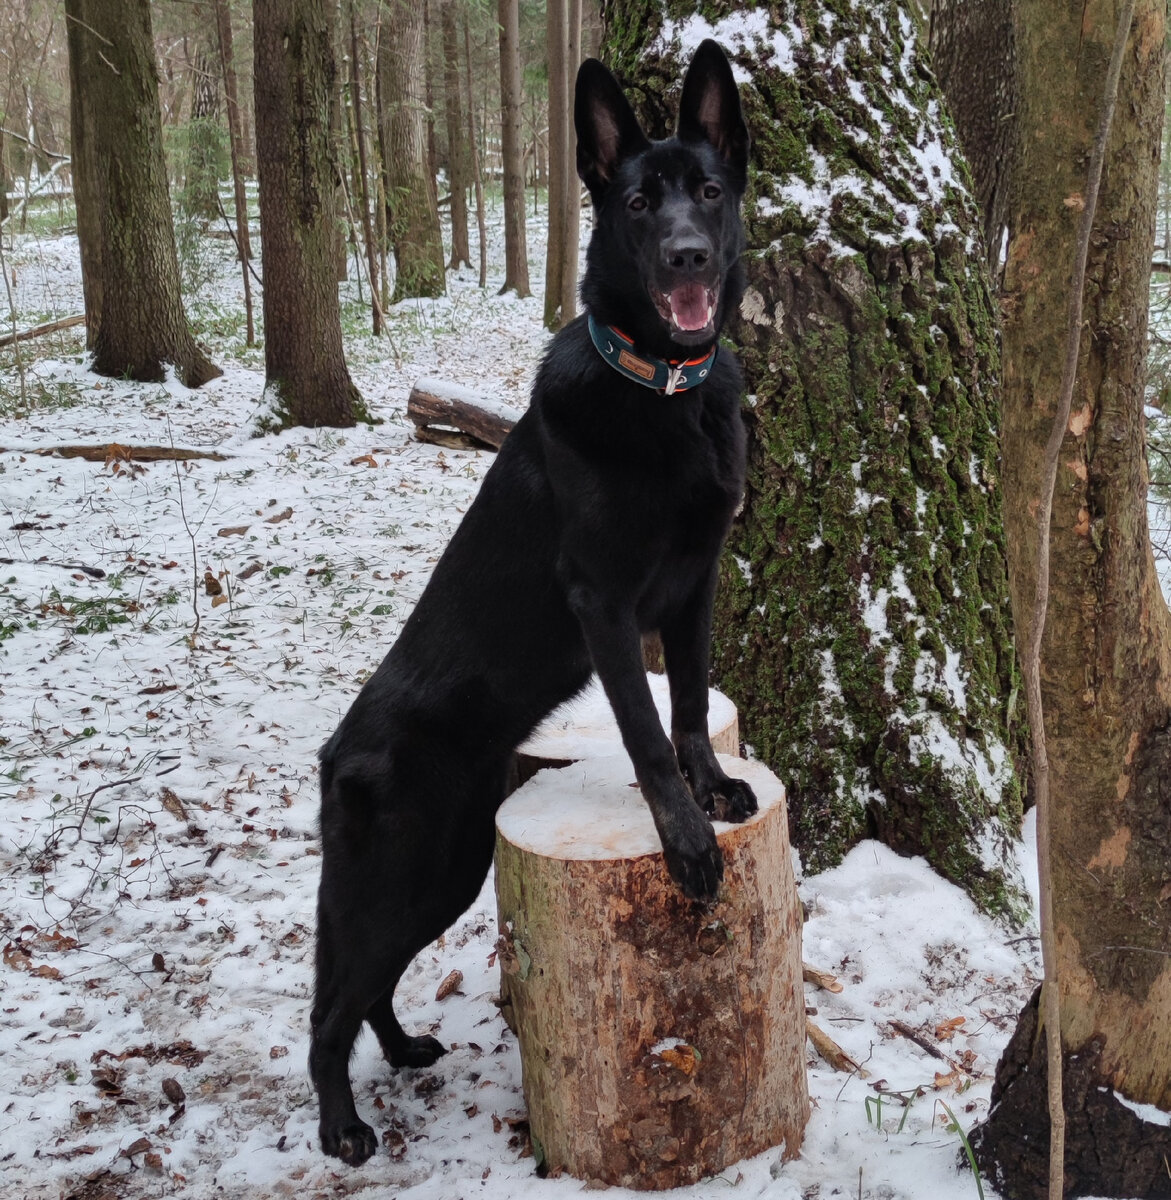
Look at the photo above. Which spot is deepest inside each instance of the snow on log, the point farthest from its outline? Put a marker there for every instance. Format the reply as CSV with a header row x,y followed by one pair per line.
x,y
584,727
441,411
660,1042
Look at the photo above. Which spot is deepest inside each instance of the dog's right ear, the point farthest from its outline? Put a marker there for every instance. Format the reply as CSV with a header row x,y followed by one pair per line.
x,y
607,129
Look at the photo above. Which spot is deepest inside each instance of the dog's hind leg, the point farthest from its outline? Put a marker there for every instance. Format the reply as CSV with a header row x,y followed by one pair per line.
x,y
396,872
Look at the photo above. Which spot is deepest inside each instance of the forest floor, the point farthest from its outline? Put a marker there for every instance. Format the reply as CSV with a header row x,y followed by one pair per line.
x,y
158,801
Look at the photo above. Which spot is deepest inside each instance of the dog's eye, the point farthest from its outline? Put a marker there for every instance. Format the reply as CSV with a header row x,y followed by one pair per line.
x,y
712,191
637,202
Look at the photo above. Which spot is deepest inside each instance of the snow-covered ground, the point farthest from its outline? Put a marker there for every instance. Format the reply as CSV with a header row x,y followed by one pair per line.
x,y
158,805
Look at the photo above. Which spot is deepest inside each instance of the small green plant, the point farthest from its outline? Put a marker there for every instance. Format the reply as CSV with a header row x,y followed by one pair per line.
x,y
957,1129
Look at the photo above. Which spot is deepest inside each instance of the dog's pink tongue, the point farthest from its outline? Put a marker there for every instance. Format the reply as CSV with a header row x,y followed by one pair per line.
x,y
689,307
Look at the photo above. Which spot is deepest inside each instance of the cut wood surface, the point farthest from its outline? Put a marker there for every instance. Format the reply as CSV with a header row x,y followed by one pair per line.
x,y
443,410
36,331
584,727
660,1042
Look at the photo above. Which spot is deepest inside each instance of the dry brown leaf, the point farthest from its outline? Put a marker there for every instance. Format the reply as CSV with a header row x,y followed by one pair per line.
x,y
211,585
232,531
819,978
450,985
278,517
366,459
171,802
946,1030
218,600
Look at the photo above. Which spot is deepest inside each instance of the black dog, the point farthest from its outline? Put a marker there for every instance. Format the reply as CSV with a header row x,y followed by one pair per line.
x,y
601,519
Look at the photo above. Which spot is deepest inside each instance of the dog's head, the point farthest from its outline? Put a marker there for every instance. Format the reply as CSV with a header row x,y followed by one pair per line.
x,y
663,263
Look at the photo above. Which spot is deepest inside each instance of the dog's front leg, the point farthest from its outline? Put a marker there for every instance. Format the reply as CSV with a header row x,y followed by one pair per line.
x,y
686,640
689,842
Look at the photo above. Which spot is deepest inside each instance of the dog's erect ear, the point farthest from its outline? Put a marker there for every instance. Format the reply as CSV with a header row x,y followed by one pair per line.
x,y
710,109
607,129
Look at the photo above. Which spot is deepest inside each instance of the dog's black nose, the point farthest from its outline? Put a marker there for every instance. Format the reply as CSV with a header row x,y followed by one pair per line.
x,y
687,255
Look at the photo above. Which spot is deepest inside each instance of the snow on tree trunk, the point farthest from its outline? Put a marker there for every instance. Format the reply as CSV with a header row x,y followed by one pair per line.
x,y
129,265
307,382
862,628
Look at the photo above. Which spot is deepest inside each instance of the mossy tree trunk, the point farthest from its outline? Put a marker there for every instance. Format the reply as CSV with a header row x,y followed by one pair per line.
x,y
1106,652
862,627
411,200
130,271
306,378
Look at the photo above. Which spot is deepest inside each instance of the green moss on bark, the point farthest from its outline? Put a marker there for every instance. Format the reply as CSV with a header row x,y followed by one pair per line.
x,y
862,622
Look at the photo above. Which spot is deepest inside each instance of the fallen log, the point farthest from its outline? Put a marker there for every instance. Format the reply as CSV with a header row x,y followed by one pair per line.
x,y
118,452
36,331
446,412
660,1041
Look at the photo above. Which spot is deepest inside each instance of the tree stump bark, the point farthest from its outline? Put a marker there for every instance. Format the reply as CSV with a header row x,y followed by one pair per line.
x,y
660,1042
584,727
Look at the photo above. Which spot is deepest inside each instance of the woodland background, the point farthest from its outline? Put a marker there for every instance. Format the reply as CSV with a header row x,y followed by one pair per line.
x,y
181,631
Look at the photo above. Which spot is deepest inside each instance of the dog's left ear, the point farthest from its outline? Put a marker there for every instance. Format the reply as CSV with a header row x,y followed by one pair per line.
x,y
710,109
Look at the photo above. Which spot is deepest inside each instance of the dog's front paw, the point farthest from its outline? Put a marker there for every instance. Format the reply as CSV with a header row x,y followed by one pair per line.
x,y
729,799
694,860
353,1143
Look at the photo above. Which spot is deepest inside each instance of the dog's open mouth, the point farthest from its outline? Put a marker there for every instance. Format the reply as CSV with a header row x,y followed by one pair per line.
x,y
688,307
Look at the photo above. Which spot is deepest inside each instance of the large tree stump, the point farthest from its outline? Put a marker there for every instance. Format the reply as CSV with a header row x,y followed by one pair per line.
x,y
660,1042
584,727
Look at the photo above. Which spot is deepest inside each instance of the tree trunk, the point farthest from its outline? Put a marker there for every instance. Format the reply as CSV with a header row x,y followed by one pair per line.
x,y
124,211
474,155
516,254
660,1042
556,52
983,102
457,152
362,196
231,93
307,382
413,211
200,194
861,627
1106,652
571,209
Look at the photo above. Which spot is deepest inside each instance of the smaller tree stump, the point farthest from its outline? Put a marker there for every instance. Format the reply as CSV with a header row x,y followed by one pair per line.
x,y
584,727
660,1042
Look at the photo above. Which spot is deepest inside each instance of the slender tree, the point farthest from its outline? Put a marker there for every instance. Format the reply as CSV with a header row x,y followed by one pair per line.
x,y
1106,650
307,382
571,218
362,195
457,150
130,273
474,154
223,19
411,200
861,624
560,123
516,254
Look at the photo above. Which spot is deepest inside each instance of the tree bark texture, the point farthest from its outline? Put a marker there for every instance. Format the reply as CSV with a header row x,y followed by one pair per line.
x,y
1106,652
973,52
457,150
860,625
556,53
307,382
516,253
660,1042
129,266
412,205
571,236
